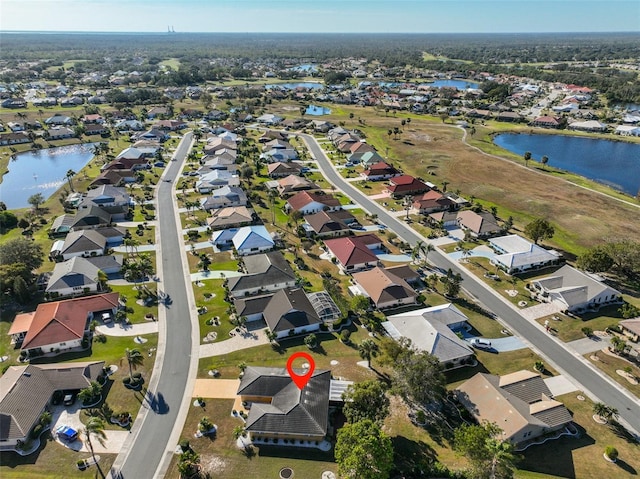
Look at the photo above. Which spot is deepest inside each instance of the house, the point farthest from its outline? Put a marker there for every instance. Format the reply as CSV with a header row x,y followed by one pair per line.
x,y
170,125
546,122
95,129
444,218
129,125
290,312
354,253
277,144
385,289
517,255
308,203
510,116
14,103
574,290
142,153
82,243
59,326
152,134
224,197
264,272
59,120
380,171
520,403
589,125
281,169
92,119
480,225
90,217
251,307
280,410
115,177
366,158
79,275
280,155
431,202
252,240
157,111
26,392
627,130
406,185
269,119
326,224
59,133
432,330
272,135
14,138
294,183
631,328
111,199
217,144
216,179
232,217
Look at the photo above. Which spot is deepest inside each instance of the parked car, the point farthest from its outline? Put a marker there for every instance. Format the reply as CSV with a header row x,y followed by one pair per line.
x,y
69,399
67,433
106,317
480,343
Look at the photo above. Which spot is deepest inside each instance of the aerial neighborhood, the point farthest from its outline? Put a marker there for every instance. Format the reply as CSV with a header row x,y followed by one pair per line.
x,y
195,227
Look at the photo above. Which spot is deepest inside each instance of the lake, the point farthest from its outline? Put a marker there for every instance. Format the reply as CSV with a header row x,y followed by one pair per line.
x,y
41,171
292,86
459,84
614,163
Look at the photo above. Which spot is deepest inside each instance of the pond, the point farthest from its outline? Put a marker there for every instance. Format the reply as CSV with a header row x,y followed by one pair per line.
x,y
41,171
314,110
614,163
292,86
459,84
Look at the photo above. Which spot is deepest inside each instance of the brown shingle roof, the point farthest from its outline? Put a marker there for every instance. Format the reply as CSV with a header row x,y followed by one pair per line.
x,y
383,286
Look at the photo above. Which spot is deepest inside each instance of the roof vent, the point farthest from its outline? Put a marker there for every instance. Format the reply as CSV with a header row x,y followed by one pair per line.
x,y
27,374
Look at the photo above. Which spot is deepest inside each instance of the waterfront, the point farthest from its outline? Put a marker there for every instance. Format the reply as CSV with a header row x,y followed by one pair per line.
x,y
614,163
41,171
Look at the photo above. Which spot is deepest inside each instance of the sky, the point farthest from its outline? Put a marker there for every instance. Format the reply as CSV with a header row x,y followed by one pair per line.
x,y
331,16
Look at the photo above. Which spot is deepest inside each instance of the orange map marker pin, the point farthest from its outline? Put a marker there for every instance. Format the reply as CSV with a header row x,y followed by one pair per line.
x,y
301,381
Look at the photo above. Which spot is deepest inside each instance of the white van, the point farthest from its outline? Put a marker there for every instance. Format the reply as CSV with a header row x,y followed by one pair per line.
x,y
480,343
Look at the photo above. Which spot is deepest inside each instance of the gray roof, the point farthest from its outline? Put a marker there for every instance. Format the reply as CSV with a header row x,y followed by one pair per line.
x,y
428,330
75,272
574,286
288,309
263,270
252,305
108,193
83,240
26,390
291,411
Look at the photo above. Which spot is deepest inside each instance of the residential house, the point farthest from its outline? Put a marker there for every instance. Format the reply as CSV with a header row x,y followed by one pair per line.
x,y
431,202
432,330
269,119
510,116
59,120
444,218
216,179
546,122
308,203
355,252
111,199
281,169
589,125
95,129
272,135
170,125
326,224
81,243
264,273
380,171
251,307
152,134
78,275
224,197
293,184
631,328
26,392
115,177
59,133
280,410
16,138
252,240
59,326
406,185
520,403
480,225
365,158
575,291
385,289
91,217
517,255
627,130
232,217
280,155
14,103
290,312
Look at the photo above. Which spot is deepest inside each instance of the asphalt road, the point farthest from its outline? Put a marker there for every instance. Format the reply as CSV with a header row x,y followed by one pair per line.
x,y
590,381
164,401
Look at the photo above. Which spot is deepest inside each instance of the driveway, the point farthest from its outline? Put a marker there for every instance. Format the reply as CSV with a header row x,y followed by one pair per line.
x,y
216,388
239,341
559,385
70,416
122,329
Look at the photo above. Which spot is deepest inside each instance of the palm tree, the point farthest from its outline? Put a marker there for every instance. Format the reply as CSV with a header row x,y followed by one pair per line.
x,y
527,157
70,174
91,392
102,279
238,432
502,457
605,412
544,160
134,359
367,350
95,427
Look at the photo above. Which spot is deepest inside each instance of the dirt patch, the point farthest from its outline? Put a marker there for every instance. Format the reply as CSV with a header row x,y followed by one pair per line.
x,y
629,377
212,464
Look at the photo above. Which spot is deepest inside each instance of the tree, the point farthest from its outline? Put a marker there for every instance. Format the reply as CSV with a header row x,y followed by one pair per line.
x,y
363,451
368,349
451,284
544,160
7,221
527,157
360,304
134,359
70,174
605,412
101,279
539,229
95,427
365,400
611,452
21,250
417,376
628,311
238,432
489,456
595,260
36,200
311,341
91,392
21,290
189,463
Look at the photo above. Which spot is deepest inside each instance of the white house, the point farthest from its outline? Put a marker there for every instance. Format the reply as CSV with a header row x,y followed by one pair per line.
x,y
252,239
627,130
516,254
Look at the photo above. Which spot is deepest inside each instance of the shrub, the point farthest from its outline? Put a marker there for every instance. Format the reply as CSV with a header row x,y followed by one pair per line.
x,y
611,452
126,380
35,432
137,375
345,336
587,331
184,444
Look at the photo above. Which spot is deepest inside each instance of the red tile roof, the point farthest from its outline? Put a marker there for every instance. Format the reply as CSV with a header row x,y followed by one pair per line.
x,y
65,320
353,250
300,200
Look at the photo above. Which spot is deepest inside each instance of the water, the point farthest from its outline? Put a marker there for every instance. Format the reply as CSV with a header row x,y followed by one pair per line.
x,y
614,163
41,171
314,110
293,86
459,84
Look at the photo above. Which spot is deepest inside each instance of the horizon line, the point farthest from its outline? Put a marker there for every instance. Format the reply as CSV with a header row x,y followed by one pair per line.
x,y
90,32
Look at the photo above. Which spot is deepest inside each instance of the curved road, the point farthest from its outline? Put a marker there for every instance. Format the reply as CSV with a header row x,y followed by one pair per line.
x,y
590,380
146,453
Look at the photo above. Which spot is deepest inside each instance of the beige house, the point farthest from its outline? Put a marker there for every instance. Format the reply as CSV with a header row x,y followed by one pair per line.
x,y
385,289
520,403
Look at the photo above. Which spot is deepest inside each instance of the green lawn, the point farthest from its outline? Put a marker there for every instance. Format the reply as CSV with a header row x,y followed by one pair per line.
x,y
139,310
211,296
569,327
610,364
